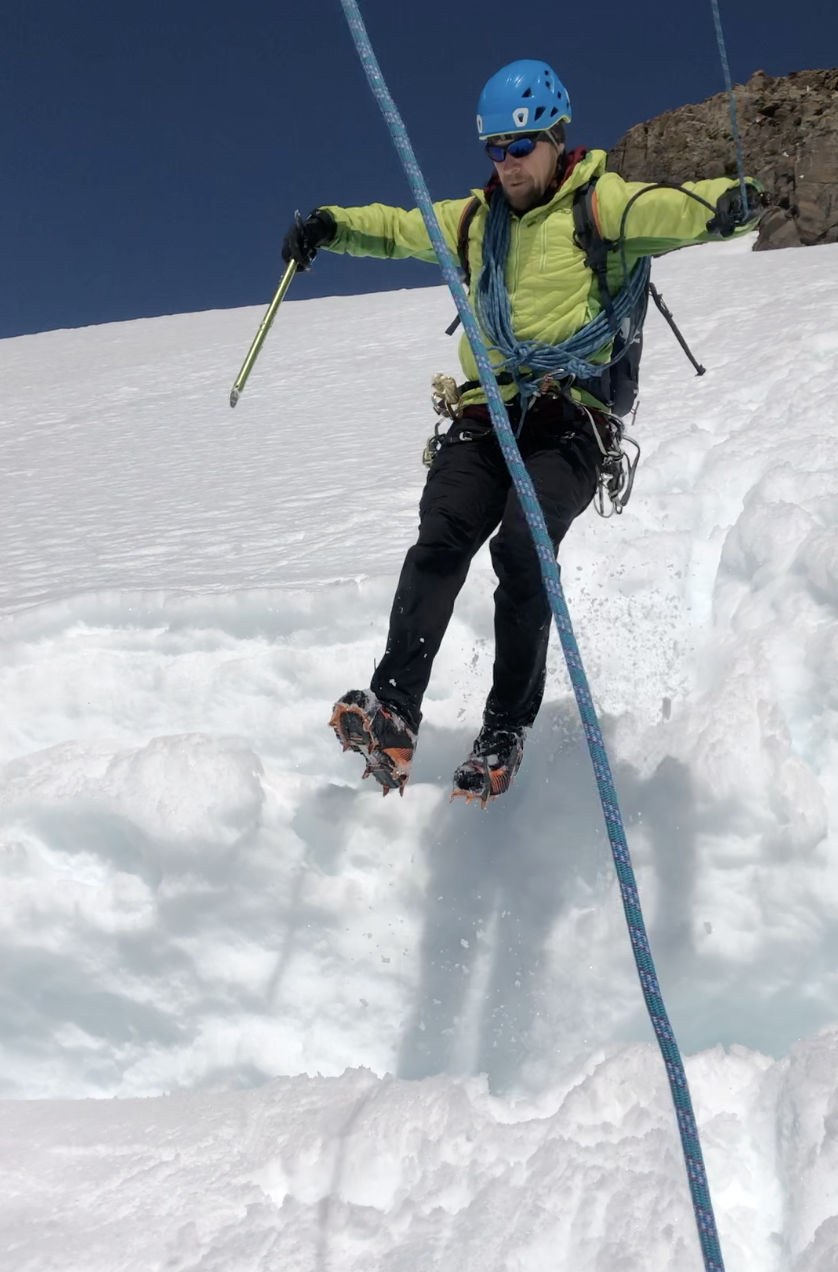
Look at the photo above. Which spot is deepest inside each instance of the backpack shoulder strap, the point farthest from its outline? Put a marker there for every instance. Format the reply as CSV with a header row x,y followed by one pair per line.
x,y
595,247
466,217
584,224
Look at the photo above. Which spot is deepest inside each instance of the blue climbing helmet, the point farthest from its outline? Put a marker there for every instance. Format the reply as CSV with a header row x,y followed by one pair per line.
x,y
523,96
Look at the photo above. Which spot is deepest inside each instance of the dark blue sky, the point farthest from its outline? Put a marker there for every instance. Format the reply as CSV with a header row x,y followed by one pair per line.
x,y
153,153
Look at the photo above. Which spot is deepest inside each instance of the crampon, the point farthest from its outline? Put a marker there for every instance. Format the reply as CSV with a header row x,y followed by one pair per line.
x,y
378,733
490,769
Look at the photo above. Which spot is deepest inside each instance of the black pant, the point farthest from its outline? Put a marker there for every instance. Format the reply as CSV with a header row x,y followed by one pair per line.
x,y
468,494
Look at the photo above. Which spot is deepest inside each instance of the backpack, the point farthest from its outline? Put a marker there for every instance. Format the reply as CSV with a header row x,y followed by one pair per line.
x,y
618,385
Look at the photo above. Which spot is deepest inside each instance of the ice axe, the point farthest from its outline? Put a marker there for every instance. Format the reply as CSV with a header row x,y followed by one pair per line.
x,y
259,338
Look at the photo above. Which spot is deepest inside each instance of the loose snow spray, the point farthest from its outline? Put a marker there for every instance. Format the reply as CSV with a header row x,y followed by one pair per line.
x,y
688,1131
187,870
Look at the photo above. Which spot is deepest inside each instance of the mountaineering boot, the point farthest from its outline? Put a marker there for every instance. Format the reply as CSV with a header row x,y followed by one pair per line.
x,y
376,731
491,767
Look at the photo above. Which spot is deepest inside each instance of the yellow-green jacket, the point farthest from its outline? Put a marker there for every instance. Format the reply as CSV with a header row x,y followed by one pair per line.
x,y
552,292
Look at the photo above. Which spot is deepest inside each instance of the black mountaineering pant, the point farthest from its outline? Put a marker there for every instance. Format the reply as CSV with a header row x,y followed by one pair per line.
x,y
469,494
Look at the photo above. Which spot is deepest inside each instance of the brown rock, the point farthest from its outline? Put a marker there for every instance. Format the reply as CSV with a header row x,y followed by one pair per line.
x,y
777,229
789,130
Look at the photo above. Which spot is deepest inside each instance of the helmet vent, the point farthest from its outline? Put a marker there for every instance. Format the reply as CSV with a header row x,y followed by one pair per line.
x,y
538,113
528,93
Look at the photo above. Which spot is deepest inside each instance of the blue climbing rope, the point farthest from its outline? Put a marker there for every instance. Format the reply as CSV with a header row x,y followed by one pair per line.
x,y
702,1205
740,162
528,360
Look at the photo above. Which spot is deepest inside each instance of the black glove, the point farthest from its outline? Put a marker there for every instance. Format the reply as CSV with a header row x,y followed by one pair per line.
x,y
730,215
305,236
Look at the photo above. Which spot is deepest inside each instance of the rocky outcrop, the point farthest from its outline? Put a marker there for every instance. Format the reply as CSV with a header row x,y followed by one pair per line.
x,y
789,130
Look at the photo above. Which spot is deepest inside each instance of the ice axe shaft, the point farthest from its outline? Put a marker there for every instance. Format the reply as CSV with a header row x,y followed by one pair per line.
x,y
667,314
259,338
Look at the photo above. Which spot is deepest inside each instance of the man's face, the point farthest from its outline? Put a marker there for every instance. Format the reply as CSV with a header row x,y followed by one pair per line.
x,y
525,179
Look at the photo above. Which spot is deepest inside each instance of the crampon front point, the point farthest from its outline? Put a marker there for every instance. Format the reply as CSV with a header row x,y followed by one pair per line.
x,y
363,724
490,769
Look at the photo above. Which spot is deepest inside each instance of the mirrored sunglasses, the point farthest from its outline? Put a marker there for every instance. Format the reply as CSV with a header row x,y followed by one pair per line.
x,y
518,147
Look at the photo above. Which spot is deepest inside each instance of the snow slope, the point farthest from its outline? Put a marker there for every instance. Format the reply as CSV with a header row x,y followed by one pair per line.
x,y
200,898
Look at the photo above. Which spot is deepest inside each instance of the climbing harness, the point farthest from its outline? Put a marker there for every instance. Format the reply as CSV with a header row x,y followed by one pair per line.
x,y
702,1204
617,467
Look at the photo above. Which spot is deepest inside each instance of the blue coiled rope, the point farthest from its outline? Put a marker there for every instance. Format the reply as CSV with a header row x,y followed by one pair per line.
x,y
702,1205
528,360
